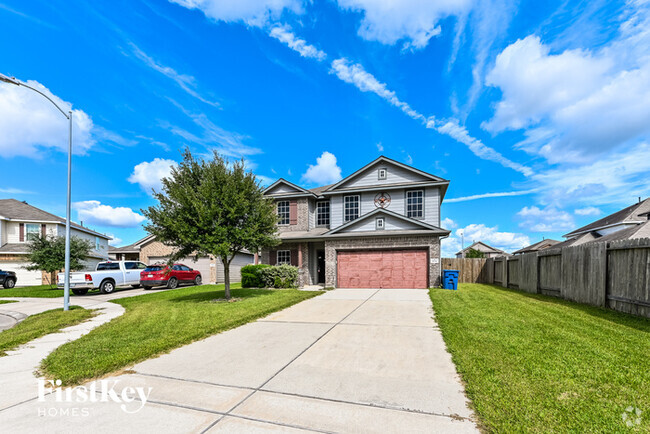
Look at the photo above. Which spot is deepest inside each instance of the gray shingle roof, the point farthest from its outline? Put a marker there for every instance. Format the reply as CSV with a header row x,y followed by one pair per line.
x,y
634,212
535,247
16,210
14,248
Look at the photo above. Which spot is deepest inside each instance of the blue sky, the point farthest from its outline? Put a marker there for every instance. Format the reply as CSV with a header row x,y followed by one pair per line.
x,y
538,112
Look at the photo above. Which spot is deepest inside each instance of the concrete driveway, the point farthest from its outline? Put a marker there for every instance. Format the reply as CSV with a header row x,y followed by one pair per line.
x,y
346,361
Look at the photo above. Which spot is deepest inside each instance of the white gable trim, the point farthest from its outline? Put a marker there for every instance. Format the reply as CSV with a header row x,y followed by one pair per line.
x,y
383,159
298,189
386,212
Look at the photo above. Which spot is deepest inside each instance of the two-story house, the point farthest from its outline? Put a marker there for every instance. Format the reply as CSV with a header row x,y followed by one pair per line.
x,y
20,223
377,228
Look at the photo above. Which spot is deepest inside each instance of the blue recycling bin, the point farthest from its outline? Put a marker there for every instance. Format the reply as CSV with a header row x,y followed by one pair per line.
x,y
450,279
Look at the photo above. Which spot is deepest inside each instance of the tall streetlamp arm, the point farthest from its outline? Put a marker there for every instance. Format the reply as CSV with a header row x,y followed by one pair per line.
x,y
20,83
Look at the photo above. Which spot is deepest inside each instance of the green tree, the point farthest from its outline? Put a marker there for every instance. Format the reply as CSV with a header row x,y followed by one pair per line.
x,y
48,253
214,207
473,253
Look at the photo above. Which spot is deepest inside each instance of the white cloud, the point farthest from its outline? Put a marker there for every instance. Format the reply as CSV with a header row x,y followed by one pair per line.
x,y
588,211
29,123
250,12
453,129
186,82
577,104
149,174
287,37
408,159
549,219
489,195
92,212
355,74
413,21
448,223
619,178
380,147
115,241
325,171
11,190
228,143
507,241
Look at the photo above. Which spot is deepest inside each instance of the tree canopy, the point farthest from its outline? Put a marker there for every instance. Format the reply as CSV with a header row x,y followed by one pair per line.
x,y
473,253
48,253
212,207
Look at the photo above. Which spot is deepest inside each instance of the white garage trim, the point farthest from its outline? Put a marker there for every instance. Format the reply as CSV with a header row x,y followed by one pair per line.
x,y
24,277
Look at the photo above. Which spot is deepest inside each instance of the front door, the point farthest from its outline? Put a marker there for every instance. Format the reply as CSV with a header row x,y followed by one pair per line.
x,y
321,266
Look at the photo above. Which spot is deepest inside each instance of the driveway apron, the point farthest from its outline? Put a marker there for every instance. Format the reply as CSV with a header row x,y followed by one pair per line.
x,y
350,360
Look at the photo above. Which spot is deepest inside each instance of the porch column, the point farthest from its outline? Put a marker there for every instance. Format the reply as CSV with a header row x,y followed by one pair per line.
x,y
299,255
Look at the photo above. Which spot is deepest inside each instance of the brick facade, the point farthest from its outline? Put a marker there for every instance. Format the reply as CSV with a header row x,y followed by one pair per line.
x,y
432,243
302,223
154,248
299,251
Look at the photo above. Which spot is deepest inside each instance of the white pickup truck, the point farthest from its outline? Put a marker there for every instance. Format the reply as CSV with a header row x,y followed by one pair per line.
x,y
107,276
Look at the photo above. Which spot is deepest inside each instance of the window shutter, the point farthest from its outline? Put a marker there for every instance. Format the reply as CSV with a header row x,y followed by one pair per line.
x,y
273,257
293,212
43,230
21,232
294,258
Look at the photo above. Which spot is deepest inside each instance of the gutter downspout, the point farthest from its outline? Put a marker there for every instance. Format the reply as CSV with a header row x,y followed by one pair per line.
x,y
440,240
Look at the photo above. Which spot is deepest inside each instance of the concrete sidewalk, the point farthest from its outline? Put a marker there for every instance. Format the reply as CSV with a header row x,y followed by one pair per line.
x,y
346,361
18,382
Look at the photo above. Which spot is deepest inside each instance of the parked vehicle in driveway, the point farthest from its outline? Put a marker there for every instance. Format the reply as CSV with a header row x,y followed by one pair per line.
x,y
8,279
106,277
171,277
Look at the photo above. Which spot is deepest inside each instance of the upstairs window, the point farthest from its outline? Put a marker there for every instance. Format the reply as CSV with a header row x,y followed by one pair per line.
x,y
415,204
382,173
323,213
32,231
380,223
284,212
284,257
98,243
351,208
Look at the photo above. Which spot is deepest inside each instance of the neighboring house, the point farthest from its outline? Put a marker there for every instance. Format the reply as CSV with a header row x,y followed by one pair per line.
x,y
377,228
629,223
150,251
20,222
541,245
488,251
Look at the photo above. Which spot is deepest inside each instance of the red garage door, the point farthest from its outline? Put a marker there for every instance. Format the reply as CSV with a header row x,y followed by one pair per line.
x,y
383,269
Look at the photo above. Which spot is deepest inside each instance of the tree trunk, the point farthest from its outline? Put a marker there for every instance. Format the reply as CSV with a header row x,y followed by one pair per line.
x,y
226,278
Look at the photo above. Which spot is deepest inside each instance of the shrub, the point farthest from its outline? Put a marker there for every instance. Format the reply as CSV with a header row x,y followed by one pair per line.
x,y
279,276
251,276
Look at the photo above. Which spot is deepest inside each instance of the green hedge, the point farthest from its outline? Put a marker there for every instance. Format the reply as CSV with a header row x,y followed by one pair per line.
x,y
250,276
280,276
269,276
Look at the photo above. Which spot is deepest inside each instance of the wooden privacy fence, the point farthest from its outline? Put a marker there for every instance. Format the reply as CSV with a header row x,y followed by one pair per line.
x,y
614,275
471,270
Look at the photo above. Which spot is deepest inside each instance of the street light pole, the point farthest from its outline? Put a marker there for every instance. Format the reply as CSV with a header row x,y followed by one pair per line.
x,y
66,281
66,284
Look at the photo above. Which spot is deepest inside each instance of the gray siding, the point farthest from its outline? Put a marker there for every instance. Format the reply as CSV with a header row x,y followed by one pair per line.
x,y
397,205
395,175
282,188
391,223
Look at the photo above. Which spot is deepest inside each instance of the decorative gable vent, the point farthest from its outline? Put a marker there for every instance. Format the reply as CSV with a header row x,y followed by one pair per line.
x,y
382,173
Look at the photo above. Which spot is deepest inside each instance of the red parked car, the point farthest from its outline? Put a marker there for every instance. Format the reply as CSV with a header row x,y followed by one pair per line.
x,y
162,275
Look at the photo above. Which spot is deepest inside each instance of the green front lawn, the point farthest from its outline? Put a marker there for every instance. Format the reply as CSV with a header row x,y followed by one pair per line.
x,y
41,324
533,363
40,291
158,322
7,301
